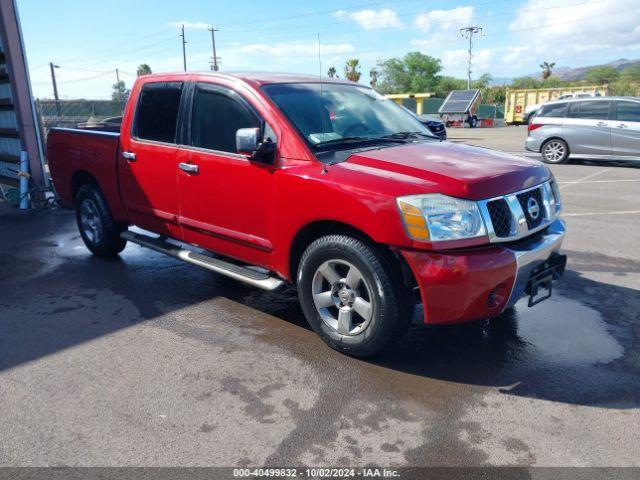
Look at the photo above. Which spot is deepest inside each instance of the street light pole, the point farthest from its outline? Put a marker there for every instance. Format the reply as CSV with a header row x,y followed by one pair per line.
x,y
55,86
468,33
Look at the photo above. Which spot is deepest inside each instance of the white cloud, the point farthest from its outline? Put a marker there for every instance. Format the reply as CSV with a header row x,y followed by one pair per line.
x,y
444,21
517,56
455,61
371,19
297,48
190,25
570,32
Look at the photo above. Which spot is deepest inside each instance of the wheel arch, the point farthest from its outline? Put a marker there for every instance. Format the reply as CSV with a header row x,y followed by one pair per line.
x,y
314,230
80,178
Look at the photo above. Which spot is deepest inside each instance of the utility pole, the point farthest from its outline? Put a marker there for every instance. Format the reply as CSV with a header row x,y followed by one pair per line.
x,y
184,50
214,59
55,86
117,76
468,33
53,80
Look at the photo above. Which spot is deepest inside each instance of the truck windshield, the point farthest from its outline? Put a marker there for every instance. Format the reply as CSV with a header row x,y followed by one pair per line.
x,y
343,115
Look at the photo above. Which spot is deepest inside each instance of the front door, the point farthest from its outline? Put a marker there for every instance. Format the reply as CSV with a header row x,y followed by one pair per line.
x,y
625,130
147,166
226,200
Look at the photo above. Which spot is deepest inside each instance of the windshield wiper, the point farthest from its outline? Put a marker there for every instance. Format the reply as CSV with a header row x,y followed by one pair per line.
x,y
341,140
407,135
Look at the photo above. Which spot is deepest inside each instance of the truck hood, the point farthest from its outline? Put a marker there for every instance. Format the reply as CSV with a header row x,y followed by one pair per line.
x,y
458,170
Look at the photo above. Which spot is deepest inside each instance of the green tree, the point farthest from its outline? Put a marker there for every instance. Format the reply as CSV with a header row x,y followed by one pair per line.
x,y
120,92
414,73
526,82
547,69
631,74
352,70
482,82
332,72
446,84
143,69
602,75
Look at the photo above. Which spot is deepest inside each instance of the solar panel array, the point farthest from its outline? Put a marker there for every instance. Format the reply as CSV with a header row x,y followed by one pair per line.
x,y
459,101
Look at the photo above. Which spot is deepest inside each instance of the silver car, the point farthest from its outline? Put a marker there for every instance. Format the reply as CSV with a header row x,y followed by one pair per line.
x,y
596,128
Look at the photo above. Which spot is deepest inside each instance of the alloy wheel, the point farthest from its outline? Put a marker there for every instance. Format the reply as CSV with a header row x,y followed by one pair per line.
x,y
343,297
91,221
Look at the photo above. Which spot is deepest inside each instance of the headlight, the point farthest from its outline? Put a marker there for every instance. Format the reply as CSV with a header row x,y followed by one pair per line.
x,y
436,217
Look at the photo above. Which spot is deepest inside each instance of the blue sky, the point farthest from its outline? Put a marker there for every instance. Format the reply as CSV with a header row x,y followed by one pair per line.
x,y
90,39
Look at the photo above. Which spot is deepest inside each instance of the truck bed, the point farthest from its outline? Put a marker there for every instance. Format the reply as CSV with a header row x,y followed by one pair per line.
x,y
75,153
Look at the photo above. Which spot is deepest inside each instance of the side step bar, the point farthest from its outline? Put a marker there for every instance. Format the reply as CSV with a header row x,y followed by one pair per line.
x,y
231,270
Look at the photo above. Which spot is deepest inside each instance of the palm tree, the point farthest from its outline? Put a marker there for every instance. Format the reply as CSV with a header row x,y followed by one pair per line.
x,y
373,75
332,72
546,69
143,69
352,69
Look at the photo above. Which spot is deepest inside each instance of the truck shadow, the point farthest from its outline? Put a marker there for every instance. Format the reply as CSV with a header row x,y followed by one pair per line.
x,y
581,347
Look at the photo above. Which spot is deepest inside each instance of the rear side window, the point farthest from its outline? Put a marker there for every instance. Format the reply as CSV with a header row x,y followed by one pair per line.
x,y
628,111
157,114
217,115
554,110
590,110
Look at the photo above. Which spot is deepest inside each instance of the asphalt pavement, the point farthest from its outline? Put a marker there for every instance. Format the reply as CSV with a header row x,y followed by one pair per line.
x,y
147,361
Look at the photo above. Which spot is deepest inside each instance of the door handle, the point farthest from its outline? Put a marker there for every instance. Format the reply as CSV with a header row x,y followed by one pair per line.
x,y
129,156
622,125
188,167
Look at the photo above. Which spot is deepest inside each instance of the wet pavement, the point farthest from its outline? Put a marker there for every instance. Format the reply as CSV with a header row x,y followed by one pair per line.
x,y
143,360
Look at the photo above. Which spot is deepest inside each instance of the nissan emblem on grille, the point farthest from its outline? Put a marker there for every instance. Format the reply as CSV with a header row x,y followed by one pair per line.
x,y
533,208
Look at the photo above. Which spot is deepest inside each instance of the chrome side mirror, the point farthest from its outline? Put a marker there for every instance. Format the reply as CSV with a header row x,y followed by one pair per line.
x,y
249,142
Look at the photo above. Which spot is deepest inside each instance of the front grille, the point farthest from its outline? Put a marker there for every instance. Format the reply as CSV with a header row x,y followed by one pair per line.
x,y
500,217
524,199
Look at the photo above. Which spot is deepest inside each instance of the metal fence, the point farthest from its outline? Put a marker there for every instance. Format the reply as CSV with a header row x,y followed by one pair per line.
x,y
77,113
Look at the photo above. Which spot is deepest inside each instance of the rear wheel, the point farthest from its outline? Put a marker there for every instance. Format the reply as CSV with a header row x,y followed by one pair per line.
x,y
99,232
555,151
352,295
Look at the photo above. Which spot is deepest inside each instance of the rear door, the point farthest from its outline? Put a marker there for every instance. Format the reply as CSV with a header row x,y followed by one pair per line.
x,y
587,128
226,200
147,166
625,131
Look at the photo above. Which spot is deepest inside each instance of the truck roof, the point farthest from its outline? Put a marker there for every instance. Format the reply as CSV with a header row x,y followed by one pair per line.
x,y
260,78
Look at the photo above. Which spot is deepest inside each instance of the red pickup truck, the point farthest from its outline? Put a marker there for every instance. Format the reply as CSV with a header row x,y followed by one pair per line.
x,y
279,180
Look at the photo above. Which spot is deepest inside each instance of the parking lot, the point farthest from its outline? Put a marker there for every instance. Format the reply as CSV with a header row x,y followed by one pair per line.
x,y
147,361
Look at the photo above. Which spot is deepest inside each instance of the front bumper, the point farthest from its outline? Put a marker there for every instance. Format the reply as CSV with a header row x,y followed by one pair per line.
x,y
464,286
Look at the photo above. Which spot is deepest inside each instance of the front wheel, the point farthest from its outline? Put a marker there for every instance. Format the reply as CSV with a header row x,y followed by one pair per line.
x,y
352,296
555,151
99,232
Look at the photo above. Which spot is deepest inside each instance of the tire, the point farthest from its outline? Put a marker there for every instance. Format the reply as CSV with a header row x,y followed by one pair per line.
x,y
380,307
99,232
554,151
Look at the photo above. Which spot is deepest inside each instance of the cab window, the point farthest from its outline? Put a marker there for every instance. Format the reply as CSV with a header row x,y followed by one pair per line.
x,y
157,113
556,110
217,114
593,110
628,111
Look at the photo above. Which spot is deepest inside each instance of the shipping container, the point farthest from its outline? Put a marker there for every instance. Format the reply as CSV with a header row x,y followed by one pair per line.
x,y
517,101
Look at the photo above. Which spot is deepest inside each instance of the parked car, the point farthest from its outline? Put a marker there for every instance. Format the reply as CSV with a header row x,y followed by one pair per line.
x,y
531,110
278,180
598,128
432,122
